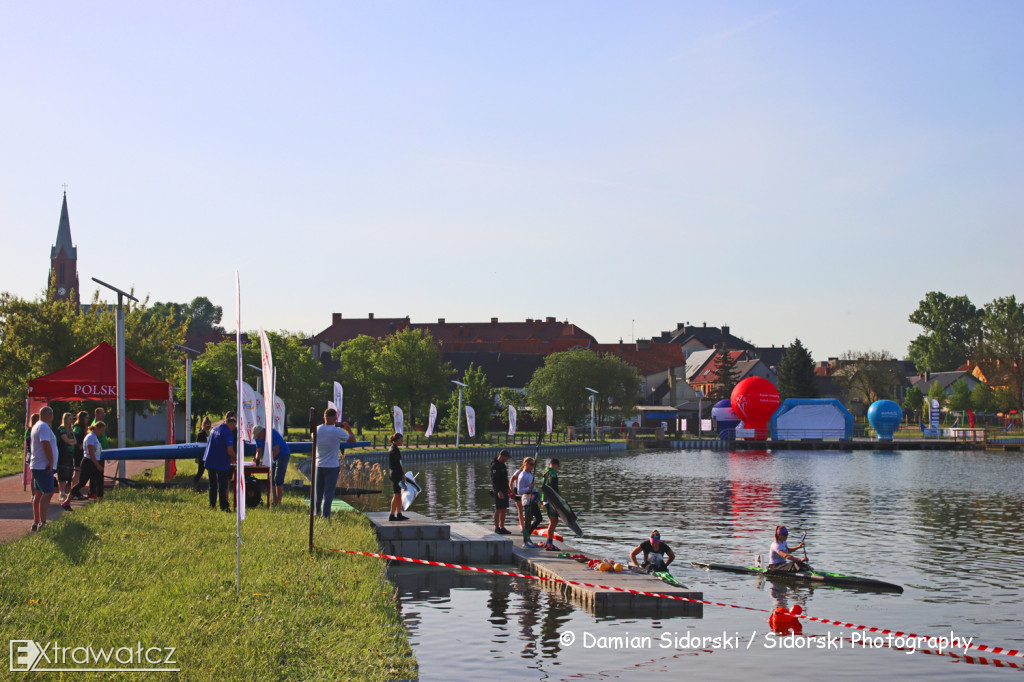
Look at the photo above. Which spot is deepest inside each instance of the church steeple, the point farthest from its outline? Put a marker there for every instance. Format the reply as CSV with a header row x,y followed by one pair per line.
x,y
64,260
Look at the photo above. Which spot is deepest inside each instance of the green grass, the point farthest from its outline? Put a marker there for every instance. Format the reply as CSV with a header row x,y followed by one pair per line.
x,y
158,567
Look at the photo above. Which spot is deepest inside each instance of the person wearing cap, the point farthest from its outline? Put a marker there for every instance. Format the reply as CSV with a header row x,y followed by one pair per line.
x,y
219,457
657,554
499,483
550,478
780,560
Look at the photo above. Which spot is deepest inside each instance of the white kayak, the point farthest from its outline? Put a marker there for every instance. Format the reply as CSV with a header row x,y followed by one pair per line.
x,y
410,490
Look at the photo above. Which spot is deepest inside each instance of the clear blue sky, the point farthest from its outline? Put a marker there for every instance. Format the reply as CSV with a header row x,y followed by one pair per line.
x,y
803,169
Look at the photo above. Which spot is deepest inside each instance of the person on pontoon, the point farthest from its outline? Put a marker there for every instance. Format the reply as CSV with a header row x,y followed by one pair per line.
x,y
657,554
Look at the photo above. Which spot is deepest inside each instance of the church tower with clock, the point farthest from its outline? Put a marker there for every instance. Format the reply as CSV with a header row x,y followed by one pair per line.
x,y
64,261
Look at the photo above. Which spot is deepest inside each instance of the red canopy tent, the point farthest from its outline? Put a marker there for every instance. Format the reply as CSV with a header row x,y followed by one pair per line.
x,y
94,377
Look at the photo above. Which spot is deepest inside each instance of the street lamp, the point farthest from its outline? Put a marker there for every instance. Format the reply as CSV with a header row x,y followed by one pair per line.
x,y
121,386
593,394
188,388
458,428
700,423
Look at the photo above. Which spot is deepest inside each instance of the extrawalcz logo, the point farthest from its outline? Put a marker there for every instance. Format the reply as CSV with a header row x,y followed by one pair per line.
x,y
31,656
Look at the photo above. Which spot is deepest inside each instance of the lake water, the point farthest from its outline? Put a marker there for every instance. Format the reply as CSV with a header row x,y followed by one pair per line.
x,y
948,526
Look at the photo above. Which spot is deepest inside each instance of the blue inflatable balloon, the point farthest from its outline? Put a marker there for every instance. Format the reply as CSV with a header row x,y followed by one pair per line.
x,y
723,412
885,417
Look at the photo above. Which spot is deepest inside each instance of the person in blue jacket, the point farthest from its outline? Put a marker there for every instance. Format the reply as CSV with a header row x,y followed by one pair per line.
x,y
220,455
279,454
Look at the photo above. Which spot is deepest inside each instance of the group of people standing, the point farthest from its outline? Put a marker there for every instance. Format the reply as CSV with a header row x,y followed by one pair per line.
x,y
65,460
529,492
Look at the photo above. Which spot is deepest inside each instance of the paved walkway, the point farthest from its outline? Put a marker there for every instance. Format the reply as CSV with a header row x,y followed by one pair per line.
x,y
16,503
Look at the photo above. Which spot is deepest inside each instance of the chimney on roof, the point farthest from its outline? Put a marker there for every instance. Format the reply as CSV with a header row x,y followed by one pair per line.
x,y
529,320
705,325
725,330
335,318
370,317
440,320
549,319
494,320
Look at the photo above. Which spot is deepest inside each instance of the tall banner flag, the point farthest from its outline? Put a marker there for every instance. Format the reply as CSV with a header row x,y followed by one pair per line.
x,y
247,421
267,364
399,420
339,393
471,421
511,420
935,413
551,419
279,414
239,450
430,423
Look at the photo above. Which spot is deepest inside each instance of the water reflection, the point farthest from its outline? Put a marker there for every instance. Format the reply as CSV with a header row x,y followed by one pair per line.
x,y
949,526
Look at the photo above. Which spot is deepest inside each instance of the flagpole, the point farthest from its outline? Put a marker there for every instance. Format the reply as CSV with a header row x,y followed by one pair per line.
x,y
240,449
312,476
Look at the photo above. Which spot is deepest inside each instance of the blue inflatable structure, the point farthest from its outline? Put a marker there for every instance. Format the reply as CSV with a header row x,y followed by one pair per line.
x,y
811,418
885,416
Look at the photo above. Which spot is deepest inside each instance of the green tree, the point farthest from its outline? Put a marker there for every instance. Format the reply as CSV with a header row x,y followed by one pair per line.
x,y
215,371
1001,354
952,327
960,399
477,394
509,397
1005,400
868,376
937,392
40,336
796,373
409,373
563,379
983,399
914,401
201,316
727,374
357,375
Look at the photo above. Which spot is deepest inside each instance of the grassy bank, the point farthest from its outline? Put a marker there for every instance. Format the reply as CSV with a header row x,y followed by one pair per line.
x,y
158,567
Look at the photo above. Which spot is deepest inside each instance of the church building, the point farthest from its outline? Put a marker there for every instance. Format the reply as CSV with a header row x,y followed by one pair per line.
x,y
64,262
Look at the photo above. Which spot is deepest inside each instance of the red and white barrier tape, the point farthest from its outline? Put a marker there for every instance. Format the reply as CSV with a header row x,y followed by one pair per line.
x,y
1002,651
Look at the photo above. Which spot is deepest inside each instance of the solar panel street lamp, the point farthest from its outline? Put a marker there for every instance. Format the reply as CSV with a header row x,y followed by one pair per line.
x,y
458,428
593,424
188,388
121,387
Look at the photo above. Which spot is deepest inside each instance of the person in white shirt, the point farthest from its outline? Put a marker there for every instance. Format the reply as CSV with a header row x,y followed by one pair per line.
x,y
329,438
780,559
42,461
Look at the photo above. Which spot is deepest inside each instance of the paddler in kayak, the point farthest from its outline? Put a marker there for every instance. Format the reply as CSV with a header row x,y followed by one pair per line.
x,y
657,554
780,559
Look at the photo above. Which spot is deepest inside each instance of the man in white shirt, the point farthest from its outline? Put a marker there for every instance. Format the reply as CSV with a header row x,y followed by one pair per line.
x,y
329,438
42,461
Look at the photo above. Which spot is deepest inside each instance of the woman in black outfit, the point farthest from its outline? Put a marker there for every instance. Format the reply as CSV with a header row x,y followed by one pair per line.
x,y
202,437
397,476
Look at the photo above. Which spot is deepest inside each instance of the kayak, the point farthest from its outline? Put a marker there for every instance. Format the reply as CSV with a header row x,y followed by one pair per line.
x,y
563,509
814,576
663,576
543,532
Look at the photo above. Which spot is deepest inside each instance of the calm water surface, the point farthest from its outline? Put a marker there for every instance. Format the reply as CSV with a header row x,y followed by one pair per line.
x,y
948,526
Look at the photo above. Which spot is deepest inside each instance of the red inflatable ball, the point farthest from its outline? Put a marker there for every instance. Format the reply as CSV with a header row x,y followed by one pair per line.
x,y
755,400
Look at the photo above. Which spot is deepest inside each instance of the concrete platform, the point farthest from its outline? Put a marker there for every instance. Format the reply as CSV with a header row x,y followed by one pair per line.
x,y
604,602
422,537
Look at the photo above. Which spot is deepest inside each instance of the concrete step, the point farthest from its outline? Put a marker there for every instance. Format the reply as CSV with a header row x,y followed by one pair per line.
x,y
418,527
